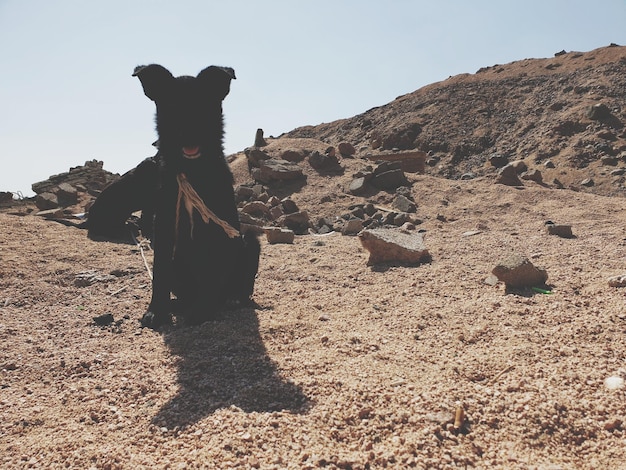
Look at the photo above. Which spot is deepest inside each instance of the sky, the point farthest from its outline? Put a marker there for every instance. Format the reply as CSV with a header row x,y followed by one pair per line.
x,y
67,94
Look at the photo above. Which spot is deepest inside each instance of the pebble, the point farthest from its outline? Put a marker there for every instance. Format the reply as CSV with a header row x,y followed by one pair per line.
x,y
614,382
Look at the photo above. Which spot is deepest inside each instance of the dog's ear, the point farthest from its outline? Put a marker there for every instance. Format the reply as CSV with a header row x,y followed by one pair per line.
x,y
155,80
217,80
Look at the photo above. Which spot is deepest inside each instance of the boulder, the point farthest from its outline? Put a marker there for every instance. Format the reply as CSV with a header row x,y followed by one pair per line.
x,y
394,246
507,175
346,149
46,201
323,161
518,271
294,156
272,170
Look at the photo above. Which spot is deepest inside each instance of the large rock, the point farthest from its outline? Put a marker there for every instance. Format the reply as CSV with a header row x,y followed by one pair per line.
x,y
272,170
394,246
507,175
518,271
90,176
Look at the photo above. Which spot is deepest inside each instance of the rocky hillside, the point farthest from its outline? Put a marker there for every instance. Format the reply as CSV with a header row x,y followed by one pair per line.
x,y
563,115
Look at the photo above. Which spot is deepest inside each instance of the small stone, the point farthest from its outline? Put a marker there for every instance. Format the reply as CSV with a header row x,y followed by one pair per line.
x,y
323,317
617,281
614,382
404,204
561,230
358,186
276,235
518,271
104,319
613,424
587,182
352,226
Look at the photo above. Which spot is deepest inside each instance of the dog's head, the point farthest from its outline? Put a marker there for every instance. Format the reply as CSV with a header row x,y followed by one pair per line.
x,y
189,109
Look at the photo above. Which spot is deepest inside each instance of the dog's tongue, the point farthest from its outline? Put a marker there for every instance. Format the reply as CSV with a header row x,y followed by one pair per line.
x,y
191,151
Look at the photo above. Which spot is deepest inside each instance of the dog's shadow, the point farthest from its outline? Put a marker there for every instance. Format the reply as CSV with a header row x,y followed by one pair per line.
x,y
222,364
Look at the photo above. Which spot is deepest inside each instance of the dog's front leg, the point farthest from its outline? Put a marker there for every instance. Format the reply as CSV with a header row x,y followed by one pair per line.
x,y
159,310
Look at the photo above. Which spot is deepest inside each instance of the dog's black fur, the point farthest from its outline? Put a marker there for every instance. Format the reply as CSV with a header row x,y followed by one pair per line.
x,y
199,263
135,191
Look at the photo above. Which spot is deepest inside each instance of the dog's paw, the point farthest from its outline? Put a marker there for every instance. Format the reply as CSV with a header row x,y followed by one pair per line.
x,y
155,320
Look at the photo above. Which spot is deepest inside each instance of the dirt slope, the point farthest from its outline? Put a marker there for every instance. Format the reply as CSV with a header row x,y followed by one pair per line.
x,y
533,109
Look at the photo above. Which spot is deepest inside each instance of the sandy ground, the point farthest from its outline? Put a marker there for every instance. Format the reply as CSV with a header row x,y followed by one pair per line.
x,y
345,365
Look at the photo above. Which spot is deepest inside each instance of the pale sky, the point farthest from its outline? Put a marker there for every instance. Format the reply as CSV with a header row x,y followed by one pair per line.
x,y
67,94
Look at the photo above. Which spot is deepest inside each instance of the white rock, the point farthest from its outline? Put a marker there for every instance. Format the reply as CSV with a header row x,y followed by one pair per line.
x,y
614,382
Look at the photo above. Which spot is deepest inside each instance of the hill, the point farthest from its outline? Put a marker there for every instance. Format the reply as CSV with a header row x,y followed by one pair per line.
x,y
568,110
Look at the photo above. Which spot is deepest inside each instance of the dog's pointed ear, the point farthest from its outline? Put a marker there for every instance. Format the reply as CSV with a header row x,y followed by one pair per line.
x,y
155,80
217,80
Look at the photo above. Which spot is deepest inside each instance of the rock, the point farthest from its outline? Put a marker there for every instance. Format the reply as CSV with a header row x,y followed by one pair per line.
x,y
46,201
532,175
66,194
587,182
323,162
498,160
90,176
518,271
608,161
358,186
330,151
561,230
346,149
298,221
390,179
243,193
598,112
507,175
411,162
617,281
279,235
255,208
51,213
294,156
259,141
289,206
519,165
404,204
256,156
376,143
6,197
549,164
272,170
394,246
103,320
352,226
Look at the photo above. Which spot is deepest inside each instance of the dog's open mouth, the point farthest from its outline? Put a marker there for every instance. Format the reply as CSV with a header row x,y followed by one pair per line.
x,y
191,152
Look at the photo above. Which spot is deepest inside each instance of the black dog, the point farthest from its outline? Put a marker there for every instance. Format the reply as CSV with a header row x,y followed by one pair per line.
x,y
199,253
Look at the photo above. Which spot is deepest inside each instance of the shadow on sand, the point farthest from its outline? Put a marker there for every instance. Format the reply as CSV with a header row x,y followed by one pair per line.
x,y
224,363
